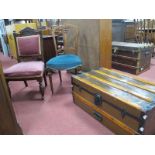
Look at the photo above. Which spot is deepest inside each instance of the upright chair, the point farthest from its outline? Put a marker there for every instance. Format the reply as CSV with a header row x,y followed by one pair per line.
x,y
139,30
30,64
69,60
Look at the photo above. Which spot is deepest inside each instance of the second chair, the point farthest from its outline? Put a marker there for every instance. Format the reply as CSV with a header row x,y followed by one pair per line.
x,y
30,64
69,60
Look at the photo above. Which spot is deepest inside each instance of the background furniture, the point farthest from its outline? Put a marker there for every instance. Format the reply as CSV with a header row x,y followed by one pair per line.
x,y
8,122
94,43
131,57
48,47
69,60
118,29
30,64
144,30
123,30
3,38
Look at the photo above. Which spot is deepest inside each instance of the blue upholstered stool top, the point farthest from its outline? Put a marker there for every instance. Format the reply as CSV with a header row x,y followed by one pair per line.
x,y
64,62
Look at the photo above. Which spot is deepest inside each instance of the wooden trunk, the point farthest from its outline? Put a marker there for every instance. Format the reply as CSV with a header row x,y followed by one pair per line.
x,y
131,57
123,103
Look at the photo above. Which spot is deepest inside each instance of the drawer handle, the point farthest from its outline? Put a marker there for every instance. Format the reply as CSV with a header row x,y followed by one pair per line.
x,y
123,113
115,50
97,99
97,116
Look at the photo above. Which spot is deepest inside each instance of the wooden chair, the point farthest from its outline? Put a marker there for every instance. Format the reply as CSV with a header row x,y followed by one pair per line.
x,y
30,64
139,30
69,59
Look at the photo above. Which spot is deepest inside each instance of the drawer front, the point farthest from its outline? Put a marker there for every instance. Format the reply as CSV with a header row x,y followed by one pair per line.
x,y
104,118
125,68
111,109
125,61
125,52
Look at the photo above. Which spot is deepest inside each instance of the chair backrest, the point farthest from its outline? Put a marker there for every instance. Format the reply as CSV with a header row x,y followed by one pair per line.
x,y
70,37
28,45
145,30
150,30
138,30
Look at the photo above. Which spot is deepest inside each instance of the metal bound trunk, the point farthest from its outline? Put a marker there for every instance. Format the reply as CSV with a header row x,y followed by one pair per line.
x,y
123,103
131,57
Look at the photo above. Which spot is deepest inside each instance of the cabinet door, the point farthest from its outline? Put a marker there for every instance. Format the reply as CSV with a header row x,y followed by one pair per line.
x,y
8,122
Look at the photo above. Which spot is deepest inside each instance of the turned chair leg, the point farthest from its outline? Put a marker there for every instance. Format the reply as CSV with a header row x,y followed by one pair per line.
x,y
45,80
41,87
51,82
8,88
60,76
26,84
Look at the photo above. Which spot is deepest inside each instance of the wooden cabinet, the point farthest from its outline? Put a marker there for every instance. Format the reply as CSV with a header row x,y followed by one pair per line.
x,y
8,122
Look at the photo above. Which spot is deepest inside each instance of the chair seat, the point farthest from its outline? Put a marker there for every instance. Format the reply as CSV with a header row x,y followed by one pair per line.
x,y
64,62
21,69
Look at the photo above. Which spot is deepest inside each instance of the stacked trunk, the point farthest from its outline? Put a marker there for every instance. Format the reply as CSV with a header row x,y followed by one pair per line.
x,y
131,57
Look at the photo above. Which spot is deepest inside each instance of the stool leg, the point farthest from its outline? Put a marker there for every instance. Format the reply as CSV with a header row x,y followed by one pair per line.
x,y
51,82
7,82
60,76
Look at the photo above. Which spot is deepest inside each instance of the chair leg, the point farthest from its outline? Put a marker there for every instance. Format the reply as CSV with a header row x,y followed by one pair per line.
x,y
41,87
26,84
45,80
51,82
8,88
60,76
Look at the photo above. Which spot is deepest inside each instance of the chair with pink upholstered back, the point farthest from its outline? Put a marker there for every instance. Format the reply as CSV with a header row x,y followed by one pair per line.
x,y
30,64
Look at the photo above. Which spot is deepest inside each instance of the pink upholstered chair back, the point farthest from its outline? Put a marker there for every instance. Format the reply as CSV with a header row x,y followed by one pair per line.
x,y
28,45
